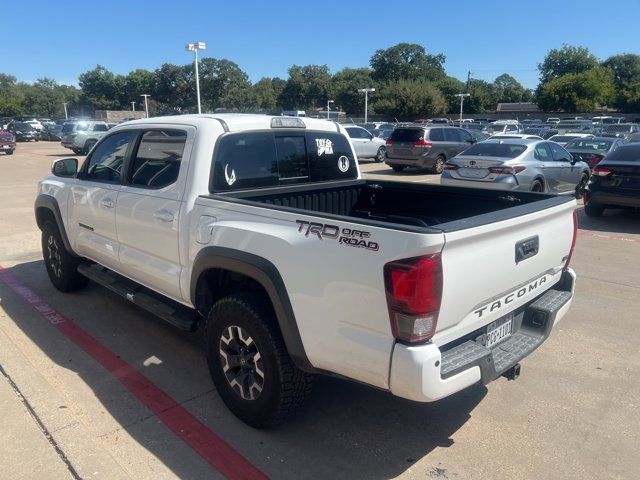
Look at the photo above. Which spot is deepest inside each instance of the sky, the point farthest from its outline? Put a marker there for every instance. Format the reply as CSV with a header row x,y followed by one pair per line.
x,y
62,39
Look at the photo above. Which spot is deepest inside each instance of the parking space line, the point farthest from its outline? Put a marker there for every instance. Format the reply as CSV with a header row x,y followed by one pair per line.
x,y
204,441
585,233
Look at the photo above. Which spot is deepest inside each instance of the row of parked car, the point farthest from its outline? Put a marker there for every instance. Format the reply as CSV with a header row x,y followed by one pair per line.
x,y
577,163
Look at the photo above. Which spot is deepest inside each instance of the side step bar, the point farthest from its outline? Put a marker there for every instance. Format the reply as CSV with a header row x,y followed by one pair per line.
x,y
176,314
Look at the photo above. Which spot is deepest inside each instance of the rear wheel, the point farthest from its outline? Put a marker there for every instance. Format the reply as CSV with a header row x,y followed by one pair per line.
x,y
593,210
438,167
249,363
398,168
537,186
381,154
582,185
61,266
88,146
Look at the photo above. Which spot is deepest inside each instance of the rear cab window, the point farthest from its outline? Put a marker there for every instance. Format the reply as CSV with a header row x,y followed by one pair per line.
x,y
248,160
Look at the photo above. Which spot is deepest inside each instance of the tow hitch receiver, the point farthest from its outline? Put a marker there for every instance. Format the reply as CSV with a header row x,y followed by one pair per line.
x,y
513,372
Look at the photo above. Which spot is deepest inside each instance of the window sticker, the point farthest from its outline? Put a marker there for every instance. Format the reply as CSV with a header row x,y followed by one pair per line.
x,y
230,179
324,146
343,163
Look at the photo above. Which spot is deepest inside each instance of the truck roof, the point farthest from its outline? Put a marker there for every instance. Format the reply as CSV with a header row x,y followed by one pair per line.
x,y
235,121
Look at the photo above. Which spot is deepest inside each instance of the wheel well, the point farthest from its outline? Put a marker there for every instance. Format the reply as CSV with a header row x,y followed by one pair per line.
x,y
43,214
216,283
541,180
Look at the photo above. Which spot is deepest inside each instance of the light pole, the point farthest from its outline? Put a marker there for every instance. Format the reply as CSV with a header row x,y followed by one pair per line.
x,y
328,102
366,92
66,116
194,47
133,106
462,97
146,105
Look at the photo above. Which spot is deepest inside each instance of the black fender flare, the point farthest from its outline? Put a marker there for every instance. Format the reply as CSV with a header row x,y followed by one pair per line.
x,y
266,274
50,203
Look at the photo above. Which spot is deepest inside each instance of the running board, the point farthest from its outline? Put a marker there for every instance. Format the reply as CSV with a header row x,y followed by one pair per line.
x,y
172,312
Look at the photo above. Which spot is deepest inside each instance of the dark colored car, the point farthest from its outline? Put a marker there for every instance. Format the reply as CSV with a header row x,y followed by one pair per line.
x,y
51,132
615,182
620,130
23,132
7,143
544,132
593,150
425,146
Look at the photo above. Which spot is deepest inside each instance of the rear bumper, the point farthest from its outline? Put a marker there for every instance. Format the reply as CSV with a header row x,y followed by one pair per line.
x,y
425,161
502,182
426,373
617,198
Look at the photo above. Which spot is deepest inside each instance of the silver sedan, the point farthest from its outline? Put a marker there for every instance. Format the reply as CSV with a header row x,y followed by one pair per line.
x,y
518,164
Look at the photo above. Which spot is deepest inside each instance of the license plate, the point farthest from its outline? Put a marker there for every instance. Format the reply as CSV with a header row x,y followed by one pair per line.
x,y
499,330
473,172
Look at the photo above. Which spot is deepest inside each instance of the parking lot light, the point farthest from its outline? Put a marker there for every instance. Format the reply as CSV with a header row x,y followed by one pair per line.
x,y
462,97
194,47
133,106
66,116
328,103
146,105
366,92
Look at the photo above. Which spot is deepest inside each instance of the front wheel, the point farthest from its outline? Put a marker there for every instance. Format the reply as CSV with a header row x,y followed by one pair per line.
x,y
61,266
537,186
382,151
249,363
581,186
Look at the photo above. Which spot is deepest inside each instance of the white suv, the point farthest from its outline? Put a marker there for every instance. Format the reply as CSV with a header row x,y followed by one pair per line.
x,y
82,136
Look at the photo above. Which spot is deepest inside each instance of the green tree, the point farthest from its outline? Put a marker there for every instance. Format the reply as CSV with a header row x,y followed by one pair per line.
x,y
344,89
481,99
406,61
625,69
578,92
223,84
264,95
507,89
101,88
408,99
307,87
173,90
568,59
135,84
449,87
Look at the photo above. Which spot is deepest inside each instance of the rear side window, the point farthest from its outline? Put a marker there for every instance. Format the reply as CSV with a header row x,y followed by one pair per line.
x,y
269,159
542,152
452,135
436,135
407,134
156,164
99,127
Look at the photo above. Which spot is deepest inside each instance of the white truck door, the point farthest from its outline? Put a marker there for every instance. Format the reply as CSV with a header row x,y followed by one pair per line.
x,y
93,200
148,210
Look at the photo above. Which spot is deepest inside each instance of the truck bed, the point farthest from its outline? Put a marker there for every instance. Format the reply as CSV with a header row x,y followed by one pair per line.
x,y
405,206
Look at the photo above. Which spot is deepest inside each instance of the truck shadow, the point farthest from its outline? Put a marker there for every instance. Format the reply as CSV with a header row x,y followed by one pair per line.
x,y
346,430
612,221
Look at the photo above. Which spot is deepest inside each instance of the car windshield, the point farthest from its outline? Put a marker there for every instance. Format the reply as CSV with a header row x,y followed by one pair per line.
x,y
504,150
495,128
562,138
407,134
23,126
68,127
54,128
628,153
589,144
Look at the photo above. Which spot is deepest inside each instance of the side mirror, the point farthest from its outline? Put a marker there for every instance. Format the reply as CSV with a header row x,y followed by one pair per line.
x,y
371,136
65,167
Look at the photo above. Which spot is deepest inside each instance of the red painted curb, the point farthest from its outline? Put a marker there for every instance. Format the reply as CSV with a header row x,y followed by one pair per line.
x,y
204,441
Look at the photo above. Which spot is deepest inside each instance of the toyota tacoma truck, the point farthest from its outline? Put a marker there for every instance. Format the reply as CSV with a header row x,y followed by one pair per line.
x,y
261,232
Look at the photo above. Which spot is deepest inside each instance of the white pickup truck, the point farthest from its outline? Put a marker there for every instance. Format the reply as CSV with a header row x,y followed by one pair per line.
x,y
261,231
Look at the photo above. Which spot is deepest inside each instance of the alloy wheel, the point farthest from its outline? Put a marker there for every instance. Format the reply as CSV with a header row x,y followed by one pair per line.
x,y
241,362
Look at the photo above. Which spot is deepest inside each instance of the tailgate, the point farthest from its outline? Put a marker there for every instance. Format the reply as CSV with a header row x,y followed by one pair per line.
x,y
491,269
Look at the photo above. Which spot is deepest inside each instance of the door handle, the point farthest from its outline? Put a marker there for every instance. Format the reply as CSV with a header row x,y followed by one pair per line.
x,y
107,203
163,215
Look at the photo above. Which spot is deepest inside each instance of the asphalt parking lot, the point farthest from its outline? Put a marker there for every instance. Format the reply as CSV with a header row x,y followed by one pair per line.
x,y
574,413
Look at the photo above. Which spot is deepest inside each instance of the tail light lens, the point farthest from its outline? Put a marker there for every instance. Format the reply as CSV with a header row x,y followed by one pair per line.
x,y
512,170
422,143
573,240
451,166
414,292
389,141
594,160
602,171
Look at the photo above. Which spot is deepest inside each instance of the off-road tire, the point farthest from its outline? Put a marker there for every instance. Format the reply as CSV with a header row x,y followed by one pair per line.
x,y
285,387
62,267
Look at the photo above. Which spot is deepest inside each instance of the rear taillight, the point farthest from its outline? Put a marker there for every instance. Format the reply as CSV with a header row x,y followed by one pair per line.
x,y
389,142
573,240
451,166
594,160
414,291
422,143
507,170
602,171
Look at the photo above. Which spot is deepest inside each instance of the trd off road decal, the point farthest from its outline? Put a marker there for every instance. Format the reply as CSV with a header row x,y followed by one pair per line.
x,y
347,236
324,146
